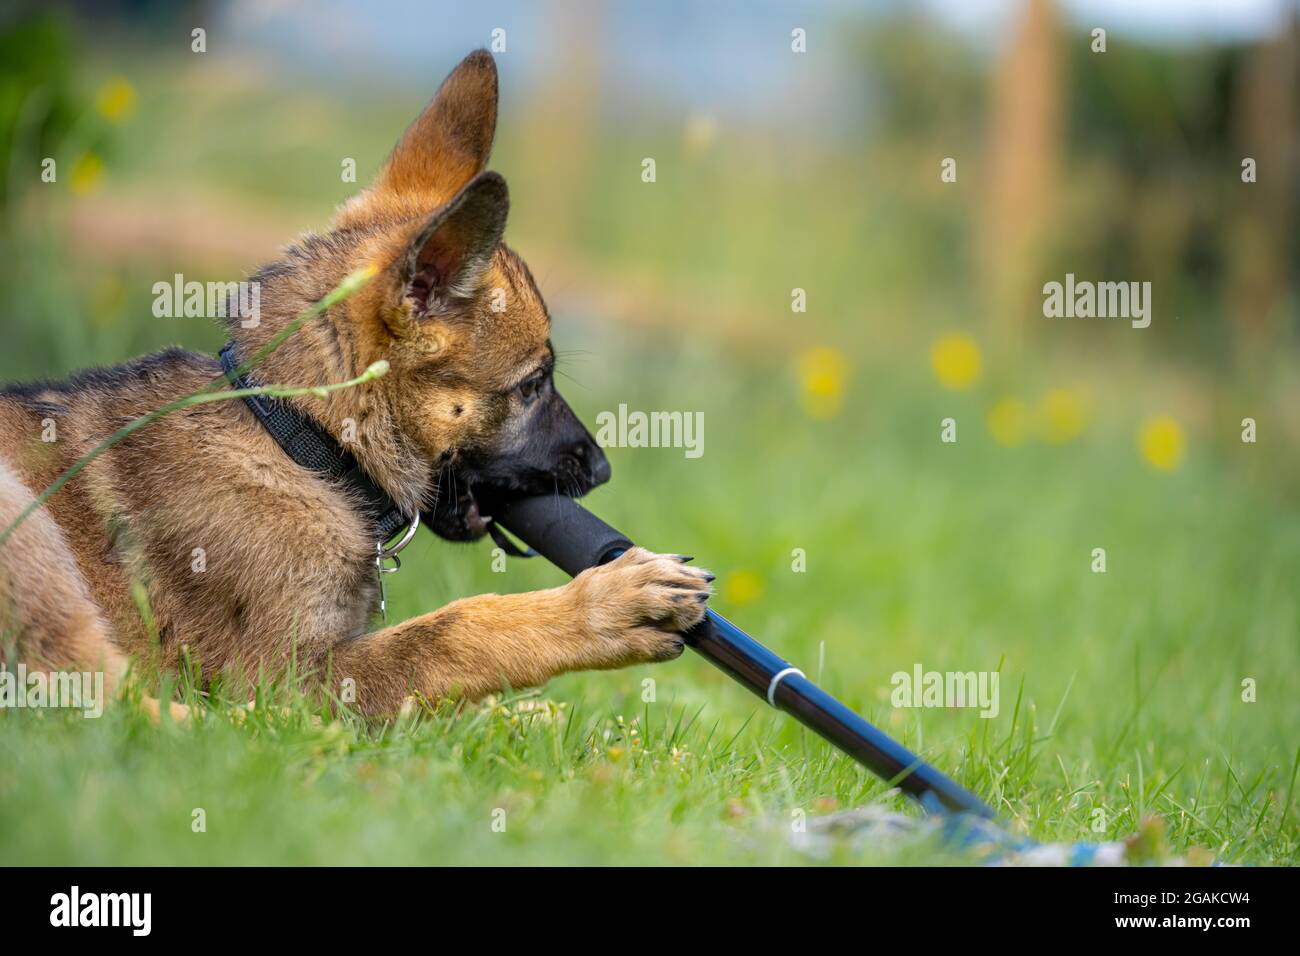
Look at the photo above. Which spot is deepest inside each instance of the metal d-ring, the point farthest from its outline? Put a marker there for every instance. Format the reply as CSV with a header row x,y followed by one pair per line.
x,y
391,552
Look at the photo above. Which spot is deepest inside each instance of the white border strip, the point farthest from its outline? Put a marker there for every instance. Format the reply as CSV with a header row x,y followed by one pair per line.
x,y
776,679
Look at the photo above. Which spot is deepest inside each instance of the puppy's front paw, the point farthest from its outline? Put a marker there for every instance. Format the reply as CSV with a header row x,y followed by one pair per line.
x,y
638,605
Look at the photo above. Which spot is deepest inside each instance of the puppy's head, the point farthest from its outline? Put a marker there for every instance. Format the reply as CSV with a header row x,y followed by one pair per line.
x,y
458,317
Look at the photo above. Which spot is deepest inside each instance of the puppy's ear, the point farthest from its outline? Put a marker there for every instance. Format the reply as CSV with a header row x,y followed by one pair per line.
x,y
447,259
449,143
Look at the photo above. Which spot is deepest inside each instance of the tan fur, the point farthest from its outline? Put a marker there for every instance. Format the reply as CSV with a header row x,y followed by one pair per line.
x,y
289,572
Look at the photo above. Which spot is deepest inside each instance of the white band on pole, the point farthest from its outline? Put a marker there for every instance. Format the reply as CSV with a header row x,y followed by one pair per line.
x,y
776,679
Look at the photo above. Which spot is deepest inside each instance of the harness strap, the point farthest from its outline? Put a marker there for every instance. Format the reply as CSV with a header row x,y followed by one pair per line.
x,y
312,447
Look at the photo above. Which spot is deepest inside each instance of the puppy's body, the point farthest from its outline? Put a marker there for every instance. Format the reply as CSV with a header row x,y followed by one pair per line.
x,y
246,558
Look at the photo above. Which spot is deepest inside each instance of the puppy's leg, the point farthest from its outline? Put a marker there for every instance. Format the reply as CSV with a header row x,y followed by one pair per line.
x,y
632,610
48,618
47,615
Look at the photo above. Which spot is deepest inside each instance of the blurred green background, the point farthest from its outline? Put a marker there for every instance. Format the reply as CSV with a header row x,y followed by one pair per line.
x,y
778,171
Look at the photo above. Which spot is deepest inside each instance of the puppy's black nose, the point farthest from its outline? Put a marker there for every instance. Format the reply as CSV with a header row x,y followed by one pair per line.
x,y
600,470
593,460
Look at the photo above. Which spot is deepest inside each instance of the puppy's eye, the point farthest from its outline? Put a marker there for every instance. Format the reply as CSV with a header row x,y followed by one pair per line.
x,y
529,389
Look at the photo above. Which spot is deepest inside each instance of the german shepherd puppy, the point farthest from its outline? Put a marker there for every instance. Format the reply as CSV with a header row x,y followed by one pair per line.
x,y
288,559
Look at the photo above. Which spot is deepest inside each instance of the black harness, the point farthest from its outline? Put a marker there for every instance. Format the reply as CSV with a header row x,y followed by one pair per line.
x,y
312,447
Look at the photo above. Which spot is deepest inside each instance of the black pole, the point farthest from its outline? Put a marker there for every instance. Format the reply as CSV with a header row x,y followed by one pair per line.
x,y
574,539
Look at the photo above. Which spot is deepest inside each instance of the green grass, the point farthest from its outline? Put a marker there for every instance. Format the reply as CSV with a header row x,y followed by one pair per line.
x,y
1119,691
